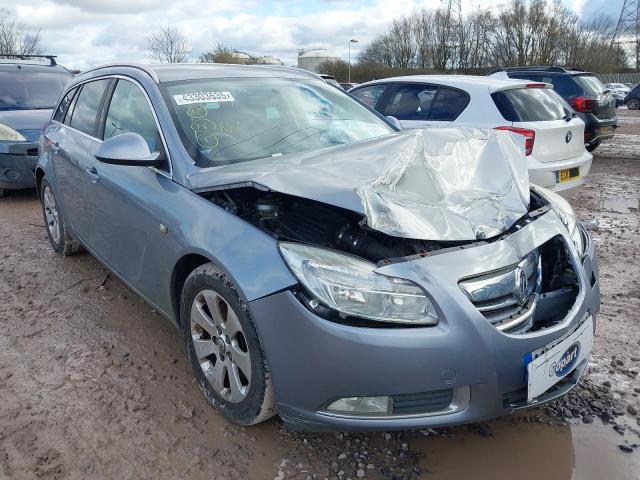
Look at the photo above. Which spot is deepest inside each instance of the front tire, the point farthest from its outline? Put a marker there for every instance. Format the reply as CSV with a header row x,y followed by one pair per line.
x,y
633,104
223,348
60,239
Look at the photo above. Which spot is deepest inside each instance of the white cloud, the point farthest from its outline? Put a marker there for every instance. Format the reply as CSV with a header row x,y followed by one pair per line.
x,y
84,33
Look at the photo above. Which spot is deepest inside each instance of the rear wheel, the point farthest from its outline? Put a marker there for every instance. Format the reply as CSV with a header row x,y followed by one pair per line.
x,y
59,238
223,348
592,146
633,103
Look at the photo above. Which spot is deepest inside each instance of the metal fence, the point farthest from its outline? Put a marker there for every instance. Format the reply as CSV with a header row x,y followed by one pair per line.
x,y
633,78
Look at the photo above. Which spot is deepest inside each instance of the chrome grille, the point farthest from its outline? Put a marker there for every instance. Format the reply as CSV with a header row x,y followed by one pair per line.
x,y
507,298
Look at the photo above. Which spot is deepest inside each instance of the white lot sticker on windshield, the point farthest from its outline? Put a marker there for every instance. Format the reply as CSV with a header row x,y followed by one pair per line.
x,y
203,97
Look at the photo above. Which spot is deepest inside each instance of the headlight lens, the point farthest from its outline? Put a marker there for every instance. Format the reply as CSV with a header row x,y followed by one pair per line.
x,y
352,287
10,135
568,218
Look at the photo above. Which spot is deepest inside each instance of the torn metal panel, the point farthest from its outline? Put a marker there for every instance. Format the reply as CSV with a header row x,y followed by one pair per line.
x,y
447,184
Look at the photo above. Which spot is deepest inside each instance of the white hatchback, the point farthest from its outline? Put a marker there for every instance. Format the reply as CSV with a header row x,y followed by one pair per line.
x,y
553,135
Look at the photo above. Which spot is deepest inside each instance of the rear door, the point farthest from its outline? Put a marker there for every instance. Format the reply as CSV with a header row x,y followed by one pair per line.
x,y
558,136
73,145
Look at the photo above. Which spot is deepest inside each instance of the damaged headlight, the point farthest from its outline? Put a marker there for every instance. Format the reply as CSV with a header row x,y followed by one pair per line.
x,y
567,216
352,287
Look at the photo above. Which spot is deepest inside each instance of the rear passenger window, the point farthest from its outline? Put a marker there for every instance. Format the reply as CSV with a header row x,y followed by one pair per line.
x,y
85,112
63,107
411,102
370,95
129,111
448,104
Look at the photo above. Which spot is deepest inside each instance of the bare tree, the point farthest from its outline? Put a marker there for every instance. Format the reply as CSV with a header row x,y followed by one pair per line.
x,y
14,39
168,45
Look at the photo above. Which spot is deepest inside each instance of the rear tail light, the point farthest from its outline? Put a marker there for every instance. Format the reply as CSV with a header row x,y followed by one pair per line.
x,y
583,104
529,137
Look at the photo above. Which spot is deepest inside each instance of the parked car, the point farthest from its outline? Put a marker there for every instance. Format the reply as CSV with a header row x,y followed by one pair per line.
x,y
552,135
29,90
619,92
583,91
330,79
348,86
320,264
632,100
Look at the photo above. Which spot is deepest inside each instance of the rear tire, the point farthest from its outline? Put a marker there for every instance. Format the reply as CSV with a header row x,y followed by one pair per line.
x,y
223,348
592,146
633,104
60,239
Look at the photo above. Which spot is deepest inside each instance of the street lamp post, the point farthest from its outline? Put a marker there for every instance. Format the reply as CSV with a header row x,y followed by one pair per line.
x,y
350,42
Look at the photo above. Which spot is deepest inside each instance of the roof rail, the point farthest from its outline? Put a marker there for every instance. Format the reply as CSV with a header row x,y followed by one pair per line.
x,y
138,66
538,68
51,58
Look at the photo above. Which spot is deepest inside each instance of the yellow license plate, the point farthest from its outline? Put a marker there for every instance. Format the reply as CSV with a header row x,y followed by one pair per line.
x,y
606,130
567,174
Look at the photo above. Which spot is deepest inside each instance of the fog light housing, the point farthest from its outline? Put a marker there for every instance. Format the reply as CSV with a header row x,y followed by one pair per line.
x,y
362,406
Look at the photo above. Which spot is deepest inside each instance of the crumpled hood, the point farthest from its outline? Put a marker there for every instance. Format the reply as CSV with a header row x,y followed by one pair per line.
x,y
449,184
28,122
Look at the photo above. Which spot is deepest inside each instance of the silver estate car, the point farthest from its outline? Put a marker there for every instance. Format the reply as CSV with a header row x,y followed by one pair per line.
x,y
320,264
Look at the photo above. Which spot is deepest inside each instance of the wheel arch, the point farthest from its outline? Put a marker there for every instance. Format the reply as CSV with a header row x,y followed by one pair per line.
x,y
182,269
39,176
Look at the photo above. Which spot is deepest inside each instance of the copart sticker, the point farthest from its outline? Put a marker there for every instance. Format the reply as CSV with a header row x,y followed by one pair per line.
x,y
203,97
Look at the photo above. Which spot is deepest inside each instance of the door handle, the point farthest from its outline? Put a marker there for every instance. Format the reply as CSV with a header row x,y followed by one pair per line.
x,y
92,173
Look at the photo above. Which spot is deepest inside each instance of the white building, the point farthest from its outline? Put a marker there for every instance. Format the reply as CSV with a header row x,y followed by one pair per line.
x,y
312,59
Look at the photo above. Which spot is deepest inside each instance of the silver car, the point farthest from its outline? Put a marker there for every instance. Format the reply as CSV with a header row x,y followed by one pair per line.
x,y
320,264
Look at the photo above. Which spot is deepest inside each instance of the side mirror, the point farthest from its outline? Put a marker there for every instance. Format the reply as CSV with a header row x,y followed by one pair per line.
x,y
395,122
128,149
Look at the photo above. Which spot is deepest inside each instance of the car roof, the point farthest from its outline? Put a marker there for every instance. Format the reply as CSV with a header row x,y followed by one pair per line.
x,y
465,82
171,72
31,66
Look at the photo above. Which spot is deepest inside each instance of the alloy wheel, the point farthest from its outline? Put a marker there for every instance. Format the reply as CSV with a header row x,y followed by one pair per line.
x,y
51,214
220,346
633,104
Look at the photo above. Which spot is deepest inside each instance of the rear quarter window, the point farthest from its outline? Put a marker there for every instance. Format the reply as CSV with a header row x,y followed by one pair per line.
x,y
530,105
590,84
63,106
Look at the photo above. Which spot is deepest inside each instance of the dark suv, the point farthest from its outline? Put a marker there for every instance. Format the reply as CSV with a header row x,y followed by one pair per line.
x,y
632,99
29,89
582,90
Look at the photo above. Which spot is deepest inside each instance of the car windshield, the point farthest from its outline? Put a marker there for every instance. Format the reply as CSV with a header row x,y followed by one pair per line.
x,y
224,121
26,89
590,84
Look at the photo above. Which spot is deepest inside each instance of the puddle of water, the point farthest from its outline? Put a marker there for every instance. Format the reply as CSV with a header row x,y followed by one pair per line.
x,y
620,205
529,451
516,450
598,456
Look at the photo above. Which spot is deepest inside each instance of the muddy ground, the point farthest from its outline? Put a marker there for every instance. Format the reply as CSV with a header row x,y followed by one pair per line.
x,y
94,384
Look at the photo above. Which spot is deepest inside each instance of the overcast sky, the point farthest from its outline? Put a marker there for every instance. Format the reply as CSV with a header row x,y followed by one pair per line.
x,y
86,33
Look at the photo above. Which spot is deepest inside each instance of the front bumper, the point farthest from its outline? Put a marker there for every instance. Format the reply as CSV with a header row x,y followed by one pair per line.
x,y
314,361
545,174
17,165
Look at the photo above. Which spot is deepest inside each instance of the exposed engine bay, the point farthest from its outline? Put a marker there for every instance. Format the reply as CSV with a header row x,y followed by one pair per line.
x,y
288,217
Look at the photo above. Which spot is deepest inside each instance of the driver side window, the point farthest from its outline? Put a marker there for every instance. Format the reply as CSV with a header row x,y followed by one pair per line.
x,y
129,111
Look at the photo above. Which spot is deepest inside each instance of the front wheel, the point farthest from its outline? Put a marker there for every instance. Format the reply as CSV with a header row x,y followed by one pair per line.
x,y
592,146
57,233
223,348
633,104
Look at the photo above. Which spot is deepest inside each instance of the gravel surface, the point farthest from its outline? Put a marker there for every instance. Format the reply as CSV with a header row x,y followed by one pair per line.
x,y
94,384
